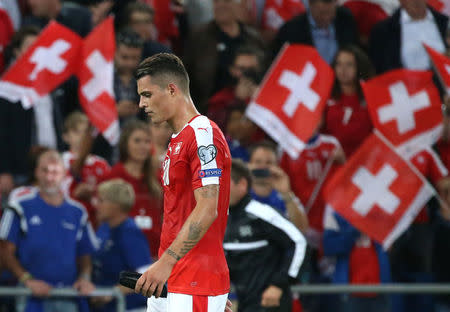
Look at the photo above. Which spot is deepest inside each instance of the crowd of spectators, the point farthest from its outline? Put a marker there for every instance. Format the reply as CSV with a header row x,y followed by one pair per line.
x,y
51,157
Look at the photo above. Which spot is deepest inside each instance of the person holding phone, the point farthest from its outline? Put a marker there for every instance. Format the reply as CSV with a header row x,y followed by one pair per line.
x,y
260,242
271,185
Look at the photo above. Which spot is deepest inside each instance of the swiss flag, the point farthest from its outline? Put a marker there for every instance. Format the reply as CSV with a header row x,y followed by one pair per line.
x,y
441,64
278,12
405,107
290,102
52,59
442,6
96,78
377,191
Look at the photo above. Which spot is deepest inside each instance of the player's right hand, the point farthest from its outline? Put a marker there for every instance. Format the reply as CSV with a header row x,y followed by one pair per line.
x,y
38,288
152,281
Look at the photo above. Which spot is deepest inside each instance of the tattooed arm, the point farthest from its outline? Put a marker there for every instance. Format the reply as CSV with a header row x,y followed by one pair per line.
x,y
199,221
195,226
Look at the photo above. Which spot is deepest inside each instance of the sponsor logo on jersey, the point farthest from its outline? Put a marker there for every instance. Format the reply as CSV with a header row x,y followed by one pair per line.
x,y
207,153
208,173
35,220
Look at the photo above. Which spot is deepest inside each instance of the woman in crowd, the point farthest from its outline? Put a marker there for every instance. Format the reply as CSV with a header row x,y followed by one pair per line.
x,y
346,115
136,167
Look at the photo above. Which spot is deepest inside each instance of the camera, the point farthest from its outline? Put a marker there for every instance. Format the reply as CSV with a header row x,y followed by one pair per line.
x,y
261,173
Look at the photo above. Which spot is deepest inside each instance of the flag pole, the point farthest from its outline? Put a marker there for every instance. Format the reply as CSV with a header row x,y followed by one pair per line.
x,y
320,182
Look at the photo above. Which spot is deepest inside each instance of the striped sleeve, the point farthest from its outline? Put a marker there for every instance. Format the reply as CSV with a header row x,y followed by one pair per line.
x,y
10,226
287,232
206,156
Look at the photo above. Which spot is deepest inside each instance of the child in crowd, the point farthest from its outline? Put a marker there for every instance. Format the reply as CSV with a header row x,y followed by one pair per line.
x,y
84,172
123,246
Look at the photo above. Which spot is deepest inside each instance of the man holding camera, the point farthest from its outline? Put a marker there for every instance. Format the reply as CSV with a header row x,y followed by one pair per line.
x,y
264,251
271,184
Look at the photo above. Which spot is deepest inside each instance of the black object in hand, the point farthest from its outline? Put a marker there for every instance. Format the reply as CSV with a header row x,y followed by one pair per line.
x,y
129,280
261,173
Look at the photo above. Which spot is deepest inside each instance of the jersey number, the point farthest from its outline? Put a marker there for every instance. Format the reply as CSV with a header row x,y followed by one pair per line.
x,y
348,111
166,167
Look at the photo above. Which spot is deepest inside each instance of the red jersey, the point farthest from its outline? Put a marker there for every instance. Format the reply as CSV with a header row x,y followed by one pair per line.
x,y
147,209
93,170
197,156
348,121
305,171
431,167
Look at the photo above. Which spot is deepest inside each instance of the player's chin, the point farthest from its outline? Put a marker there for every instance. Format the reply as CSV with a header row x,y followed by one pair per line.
x,y
155,119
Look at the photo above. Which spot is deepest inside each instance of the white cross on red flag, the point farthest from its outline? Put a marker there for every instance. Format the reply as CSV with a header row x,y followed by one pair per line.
x,y
96,79
405,107
52,58
441,64
290,102
377,191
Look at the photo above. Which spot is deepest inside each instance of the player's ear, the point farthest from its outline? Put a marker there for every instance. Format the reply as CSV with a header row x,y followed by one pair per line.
x,y
172,88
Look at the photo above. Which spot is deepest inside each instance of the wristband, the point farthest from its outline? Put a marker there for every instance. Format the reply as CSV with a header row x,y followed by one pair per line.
x,y
25,277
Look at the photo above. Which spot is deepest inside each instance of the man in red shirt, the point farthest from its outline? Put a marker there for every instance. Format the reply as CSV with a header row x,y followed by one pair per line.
x,y
196,180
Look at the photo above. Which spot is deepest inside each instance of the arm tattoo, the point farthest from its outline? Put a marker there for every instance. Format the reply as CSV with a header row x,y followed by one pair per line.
x,y
209,191
195,231
173,254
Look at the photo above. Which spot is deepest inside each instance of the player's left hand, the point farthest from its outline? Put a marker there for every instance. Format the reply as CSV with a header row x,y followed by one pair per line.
x,y
84,286
153,280
271,296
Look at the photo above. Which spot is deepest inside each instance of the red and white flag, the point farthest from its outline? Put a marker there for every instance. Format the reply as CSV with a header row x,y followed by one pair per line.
x,y
405,107
96,80
441,64
377,191
442,6
278,12
290,102
52,58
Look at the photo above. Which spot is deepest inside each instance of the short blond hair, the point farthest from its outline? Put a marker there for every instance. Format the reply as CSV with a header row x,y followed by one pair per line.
x,y
118,192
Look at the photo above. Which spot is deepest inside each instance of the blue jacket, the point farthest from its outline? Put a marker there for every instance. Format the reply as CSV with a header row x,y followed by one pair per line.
x,y
338,240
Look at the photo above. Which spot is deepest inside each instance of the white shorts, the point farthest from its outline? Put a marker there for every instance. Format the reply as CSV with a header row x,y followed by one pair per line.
x,y
187,303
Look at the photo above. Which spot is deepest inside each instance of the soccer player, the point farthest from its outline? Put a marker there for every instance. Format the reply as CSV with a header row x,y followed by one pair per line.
x,y
196,181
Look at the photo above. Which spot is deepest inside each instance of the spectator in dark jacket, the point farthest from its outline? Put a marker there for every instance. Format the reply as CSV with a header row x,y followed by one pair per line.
x,y
325,26
21,128
264,251
210,50
397,41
